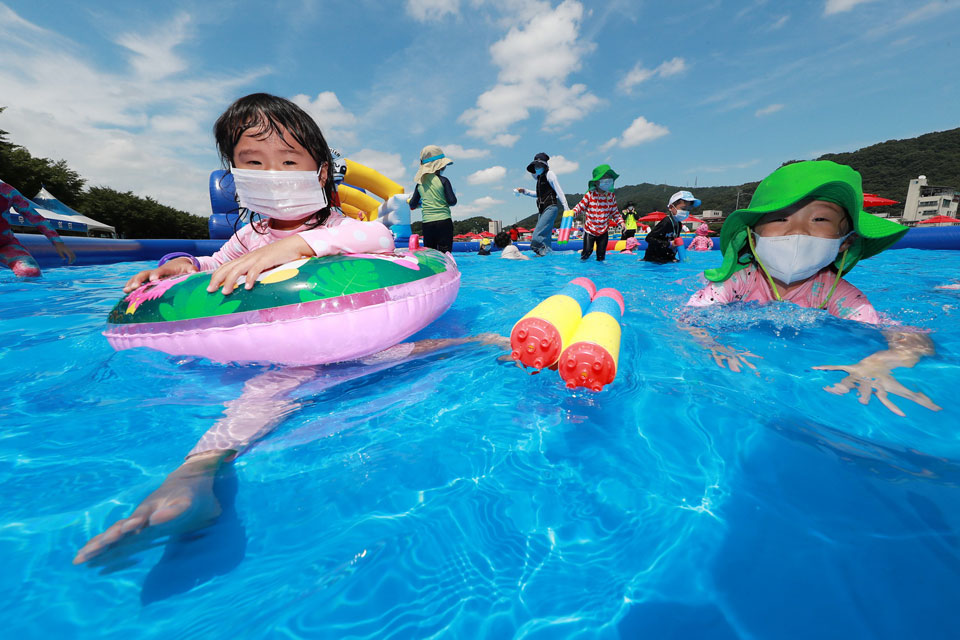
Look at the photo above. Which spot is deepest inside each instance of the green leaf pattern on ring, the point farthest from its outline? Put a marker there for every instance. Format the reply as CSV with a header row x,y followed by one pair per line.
x,y
328,277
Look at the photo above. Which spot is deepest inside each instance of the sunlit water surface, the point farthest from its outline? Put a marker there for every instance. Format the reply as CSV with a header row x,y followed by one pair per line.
x,y
458,496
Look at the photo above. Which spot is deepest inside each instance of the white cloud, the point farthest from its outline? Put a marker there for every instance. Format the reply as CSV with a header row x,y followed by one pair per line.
x,y
640,130
335,121
477,206
671,67
924,13
560,165
456,152
782,20
389,164
636,76
839,6
766,111
487,176
432,10
113,124
639,74
153,52
505,140
535,57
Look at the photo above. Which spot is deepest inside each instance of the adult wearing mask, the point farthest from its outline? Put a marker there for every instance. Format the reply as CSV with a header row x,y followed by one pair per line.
x,y
550,201
629,223
660,248
435,193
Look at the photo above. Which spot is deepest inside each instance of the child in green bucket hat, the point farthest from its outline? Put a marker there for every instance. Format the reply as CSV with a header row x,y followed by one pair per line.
x,y
600,207
804,229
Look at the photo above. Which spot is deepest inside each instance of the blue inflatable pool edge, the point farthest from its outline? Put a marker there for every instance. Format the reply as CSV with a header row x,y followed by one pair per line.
x,y
91,251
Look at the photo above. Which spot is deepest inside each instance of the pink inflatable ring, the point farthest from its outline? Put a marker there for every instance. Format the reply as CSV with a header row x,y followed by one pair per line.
x,y
312,311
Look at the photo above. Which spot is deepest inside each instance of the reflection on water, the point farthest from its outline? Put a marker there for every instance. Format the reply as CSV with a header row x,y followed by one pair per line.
x,y
457,496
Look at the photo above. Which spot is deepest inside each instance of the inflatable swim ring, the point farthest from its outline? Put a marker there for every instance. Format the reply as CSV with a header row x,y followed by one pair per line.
x,y
311,311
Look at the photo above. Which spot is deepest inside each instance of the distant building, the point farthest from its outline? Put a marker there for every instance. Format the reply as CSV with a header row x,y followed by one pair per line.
x,y
926,201
711,215
494,226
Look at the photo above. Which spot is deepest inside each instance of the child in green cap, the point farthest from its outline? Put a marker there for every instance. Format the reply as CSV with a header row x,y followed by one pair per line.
x,y
600,207
804,229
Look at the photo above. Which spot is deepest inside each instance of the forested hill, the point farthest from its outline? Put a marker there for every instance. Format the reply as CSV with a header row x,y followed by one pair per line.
x,y
886,167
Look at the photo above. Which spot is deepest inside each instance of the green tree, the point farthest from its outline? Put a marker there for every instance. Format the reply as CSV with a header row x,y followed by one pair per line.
x,y
137,217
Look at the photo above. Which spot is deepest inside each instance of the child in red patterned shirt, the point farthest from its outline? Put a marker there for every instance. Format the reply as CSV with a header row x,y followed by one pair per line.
x,y
600,206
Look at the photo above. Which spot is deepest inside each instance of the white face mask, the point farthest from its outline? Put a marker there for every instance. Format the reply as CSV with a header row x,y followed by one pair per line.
x,y
606,185
282,195
793,258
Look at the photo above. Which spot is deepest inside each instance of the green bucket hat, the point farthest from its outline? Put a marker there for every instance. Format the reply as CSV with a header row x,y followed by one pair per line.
x,y
603,171
820,179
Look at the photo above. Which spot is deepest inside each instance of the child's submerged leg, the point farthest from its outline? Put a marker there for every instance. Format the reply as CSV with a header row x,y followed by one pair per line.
x,y
602,242
587,247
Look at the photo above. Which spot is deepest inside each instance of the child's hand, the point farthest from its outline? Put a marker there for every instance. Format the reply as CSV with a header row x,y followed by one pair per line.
x,y
175,267
256,262
64,252
873,374
736,359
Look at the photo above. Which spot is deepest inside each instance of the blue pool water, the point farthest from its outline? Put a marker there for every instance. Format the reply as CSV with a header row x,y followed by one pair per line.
x,y
457,496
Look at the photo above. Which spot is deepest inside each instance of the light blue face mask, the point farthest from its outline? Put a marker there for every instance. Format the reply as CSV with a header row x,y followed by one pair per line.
x,y
538,171
606,185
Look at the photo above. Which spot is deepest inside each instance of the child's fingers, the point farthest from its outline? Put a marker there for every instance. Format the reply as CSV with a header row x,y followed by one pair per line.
x,y
254,272
865,391
882,396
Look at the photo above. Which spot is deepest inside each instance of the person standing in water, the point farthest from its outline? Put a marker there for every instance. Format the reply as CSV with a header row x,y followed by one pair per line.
x,y
550,201
435,193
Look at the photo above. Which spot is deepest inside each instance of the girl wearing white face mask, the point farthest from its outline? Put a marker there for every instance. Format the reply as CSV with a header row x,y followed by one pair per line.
x,y
804,229
281,167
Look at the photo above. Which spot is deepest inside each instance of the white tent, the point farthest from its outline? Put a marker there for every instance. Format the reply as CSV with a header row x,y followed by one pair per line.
x,y
52,209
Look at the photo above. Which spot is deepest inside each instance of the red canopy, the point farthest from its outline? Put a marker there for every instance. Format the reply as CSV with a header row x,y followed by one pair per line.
x,y
656,216
487,234
939,220
522,230
873,200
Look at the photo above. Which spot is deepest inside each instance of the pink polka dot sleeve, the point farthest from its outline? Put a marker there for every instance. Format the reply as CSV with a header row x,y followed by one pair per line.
x,y
349,236
713,293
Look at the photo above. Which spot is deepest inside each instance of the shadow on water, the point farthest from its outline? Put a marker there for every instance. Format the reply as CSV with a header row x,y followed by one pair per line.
x,y
190,560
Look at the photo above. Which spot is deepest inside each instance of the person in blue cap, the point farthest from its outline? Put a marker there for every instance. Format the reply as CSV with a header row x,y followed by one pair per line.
x,y
660,247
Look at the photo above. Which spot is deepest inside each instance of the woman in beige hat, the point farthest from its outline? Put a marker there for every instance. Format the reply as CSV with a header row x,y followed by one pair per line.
x,y
435,193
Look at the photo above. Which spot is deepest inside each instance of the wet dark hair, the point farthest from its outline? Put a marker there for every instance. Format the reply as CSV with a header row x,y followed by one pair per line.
x,y
502,239
270,114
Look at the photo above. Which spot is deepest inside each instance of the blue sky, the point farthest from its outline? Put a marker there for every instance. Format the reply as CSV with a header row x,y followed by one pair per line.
x,y
713,92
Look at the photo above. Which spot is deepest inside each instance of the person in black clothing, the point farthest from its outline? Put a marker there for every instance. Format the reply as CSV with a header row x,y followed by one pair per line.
x,y
551,201
660,247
